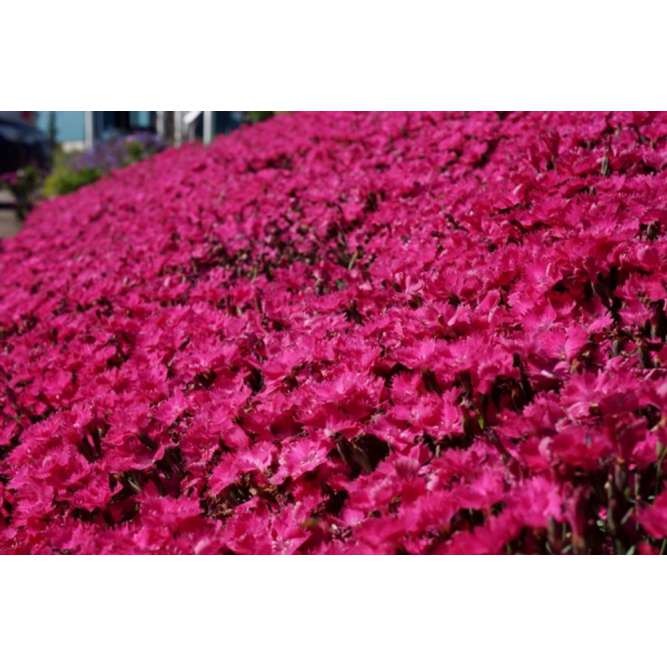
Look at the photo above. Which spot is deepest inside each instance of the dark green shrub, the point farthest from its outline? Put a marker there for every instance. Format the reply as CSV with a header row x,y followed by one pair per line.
x,y
23,184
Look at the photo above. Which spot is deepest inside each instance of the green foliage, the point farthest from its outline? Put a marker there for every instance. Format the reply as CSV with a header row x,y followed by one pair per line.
x,y
63,179
258,116
136,151
73,171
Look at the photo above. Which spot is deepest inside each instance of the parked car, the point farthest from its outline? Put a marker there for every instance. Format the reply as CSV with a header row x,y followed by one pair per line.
x,y
22,144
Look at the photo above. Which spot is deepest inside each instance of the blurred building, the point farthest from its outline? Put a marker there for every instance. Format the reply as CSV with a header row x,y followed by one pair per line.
x,y
81,129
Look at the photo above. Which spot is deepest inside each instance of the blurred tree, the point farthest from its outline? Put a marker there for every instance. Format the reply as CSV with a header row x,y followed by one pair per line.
x,y
257,116
52,129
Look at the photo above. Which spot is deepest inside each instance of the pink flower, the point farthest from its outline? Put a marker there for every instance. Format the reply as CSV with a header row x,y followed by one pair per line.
x,y
654,518
346,333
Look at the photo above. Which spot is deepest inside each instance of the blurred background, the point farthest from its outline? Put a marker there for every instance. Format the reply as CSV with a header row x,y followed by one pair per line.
x,y
49,153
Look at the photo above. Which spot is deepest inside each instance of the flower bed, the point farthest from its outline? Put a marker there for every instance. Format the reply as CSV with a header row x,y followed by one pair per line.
x,y
346,333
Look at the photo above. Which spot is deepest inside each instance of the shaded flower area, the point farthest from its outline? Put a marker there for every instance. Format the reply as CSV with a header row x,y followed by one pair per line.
x,y
396,333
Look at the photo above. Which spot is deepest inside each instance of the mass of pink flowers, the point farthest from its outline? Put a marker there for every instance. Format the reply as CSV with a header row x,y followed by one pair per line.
x,y
395,333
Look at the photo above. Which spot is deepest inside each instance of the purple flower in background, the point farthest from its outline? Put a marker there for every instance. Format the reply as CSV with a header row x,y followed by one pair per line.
x,y
118,151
